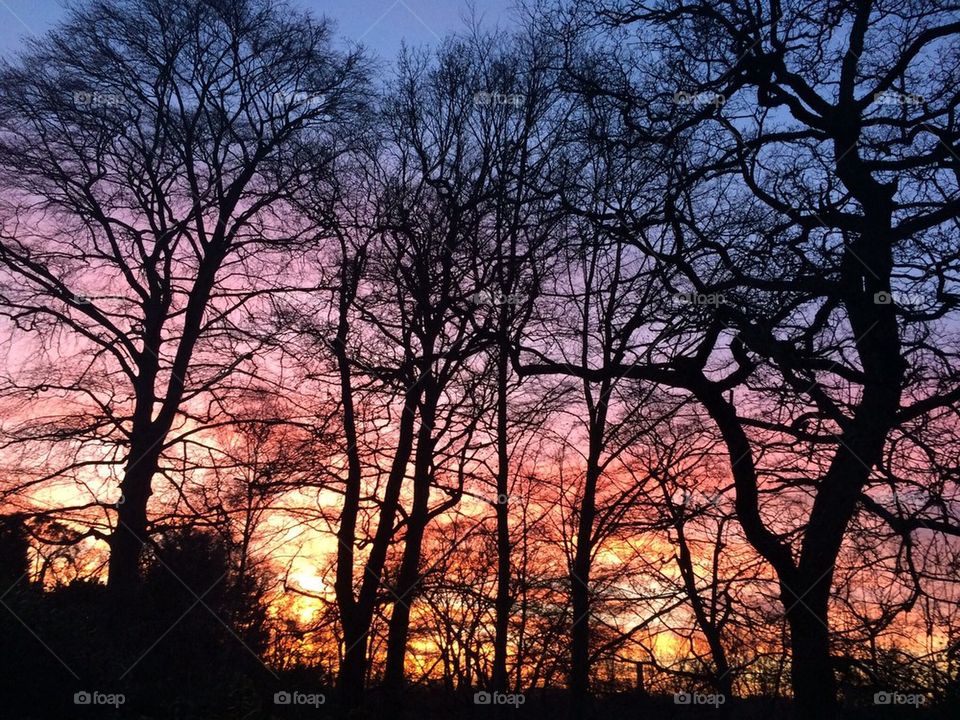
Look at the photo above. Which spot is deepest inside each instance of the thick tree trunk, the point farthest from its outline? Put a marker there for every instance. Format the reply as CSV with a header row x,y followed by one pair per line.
x,y
150,428
126,544
812,677
130,533
353,664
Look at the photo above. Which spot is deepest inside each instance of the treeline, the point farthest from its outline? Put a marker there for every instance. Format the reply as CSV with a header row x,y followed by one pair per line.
x,y
603,360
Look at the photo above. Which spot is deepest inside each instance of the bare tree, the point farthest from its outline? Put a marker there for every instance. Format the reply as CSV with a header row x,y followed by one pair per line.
x,y
610,357
149,151
813,196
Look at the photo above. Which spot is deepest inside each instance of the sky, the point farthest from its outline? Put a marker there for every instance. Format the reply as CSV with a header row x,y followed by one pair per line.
x,y
381,25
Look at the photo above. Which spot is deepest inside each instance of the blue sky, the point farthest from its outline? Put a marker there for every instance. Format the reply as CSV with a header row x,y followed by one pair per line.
x,y
381,25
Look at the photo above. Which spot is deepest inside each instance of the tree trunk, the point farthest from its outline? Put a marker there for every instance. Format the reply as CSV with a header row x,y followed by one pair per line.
x,y
130,534
503,603
409,577
353,665
580,642
357,622
399,626
353,661
707,621
580,598
583,557
812,677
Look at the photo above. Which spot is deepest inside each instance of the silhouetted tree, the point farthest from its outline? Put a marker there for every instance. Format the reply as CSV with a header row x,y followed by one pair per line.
x,y
149,154
812,197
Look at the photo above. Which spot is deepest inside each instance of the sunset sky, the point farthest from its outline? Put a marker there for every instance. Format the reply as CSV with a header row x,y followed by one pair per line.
x,y
600,357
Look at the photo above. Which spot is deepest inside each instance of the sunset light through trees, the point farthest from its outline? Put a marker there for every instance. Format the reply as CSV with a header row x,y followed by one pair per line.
x,y
598,362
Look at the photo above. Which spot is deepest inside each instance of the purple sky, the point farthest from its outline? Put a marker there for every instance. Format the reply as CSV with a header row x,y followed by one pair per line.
x,y
379,24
